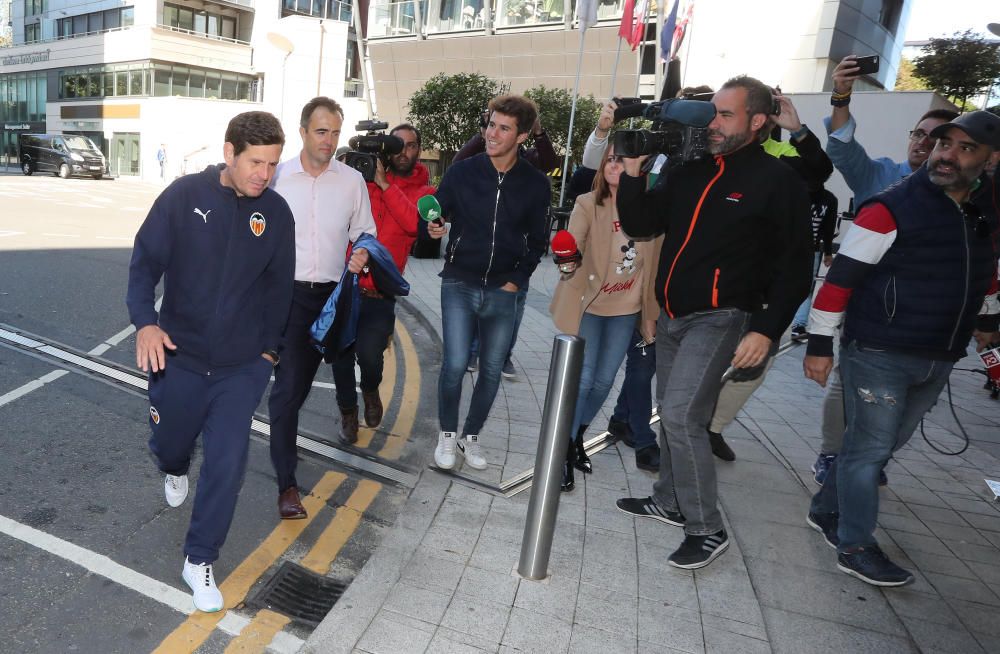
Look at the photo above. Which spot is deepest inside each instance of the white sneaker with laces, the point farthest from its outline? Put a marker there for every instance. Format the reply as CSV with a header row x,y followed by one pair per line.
x,y
175,488
444,453
469,447
199,578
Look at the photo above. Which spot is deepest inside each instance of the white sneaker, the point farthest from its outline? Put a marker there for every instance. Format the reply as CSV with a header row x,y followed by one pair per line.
x,y
199,578
175,488
444,453
469,446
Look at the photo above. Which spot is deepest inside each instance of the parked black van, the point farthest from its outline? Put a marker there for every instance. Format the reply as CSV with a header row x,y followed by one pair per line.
x,y
62,154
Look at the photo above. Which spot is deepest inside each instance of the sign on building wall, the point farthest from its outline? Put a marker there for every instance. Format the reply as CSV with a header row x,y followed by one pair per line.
x,y
26,58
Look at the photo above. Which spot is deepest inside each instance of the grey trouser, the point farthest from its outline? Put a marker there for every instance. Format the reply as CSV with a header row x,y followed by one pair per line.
x,y
733,396
692,353
833,414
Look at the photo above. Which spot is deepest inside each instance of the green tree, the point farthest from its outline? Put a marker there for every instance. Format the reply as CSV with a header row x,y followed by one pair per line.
x,y
554,107
446,110
959,67
906,79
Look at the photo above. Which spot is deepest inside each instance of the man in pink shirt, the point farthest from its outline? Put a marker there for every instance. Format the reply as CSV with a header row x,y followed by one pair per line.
x,y
329,201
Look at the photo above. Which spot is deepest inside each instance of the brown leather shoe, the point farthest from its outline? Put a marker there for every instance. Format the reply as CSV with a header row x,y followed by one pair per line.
x,y
349,425
373,408
289,505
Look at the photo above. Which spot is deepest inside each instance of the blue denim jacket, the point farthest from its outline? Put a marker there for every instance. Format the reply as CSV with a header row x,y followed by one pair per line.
x,y
864,175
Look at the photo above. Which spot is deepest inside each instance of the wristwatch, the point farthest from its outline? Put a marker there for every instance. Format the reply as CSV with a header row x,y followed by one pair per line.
x,y
274,356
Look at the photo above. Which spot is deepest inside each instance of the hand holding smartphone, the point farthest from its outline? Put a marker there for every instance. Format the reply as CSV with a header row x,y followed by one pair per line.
x,y
867,65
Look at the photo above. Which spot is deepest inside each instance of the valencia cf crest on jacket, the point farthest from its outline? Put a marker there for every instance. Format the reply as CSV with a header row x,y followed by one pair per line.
x,y
257,223
154,415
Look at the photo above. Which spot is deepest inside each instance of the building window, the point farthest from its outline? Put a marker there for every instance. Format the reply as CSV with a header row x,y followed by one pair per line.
x,y
198,21
331,9
97,21
889,14
35,7
161,80
32,32
22,97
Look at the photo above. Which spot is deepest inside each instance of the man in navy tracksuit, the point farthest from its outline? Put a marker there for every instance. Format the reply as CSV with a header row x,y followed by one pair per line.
x,y
224,245
496,203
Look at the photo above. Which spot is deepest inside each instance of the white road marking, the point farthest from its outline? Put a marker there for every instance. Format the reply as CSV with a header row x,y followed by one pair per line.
x,y
99,564
8,233
33,385
115,238
61,235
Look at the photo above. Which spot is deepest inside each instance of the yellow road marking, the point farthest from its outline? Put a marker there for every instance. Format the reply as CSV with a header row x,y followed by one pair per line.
x,y
385,391
190,635
407,413
259,633
332,540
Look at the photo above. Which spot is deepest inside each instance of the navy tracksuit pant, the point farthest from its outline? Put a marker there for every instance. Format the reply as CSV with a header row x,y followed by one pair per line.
x,y
219,406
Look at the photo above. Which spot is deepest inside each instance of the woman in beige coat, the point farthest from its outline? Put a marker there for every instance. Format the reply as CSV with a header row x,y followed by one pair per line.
x,y
601,298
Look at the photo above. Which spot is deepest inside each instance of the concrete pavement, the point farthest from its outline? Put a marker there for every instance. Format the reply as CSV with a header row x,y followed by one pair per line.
x,y
443,578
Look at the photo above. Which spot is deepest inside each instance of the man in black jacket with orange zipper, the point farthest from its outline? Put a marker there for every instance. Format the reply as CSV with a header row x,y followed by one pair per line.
x,y
735,264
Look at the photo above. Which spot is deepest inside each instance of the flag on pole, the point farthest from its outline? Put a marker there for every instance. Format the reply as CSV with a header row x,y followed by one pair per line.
x,y
586,13
625,29
639,31
667,34
681,28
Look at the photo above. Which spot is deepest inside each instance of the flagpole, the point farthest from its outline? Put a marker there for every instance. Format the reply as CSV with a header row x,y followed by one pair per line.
x,y
572,116
614,71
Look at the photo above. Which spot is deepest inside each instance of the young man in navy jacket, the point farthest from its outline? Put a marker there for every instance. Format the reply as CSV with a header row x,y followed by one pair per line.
x,y
496,203
224,245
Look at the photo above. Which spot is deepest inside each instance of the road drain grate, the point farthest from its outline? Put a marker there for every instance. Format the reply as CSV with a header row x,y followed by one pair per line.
x,y
304,596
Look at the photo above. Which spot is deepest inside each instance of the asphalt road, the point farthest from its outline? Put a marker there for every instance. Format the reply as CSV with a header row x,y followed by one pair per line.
x,y
90,553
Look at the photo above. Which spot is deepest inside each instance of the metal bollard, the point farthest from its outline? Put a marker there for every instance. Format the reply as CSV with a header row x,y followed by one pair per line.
x,y
557,421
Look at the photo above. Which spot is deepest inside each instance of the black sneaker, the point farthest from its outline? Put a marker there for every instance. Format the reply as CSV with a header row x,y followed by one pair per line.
x,y
646,507
699,551
826,524
871,565
648,458
720,447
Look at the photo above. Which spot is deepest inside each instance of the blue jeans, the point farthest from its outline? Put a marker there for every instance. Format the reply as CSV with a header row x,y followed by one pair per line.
x,y
635,402
522,294
692,353
885,395
606,339
801,318
466,308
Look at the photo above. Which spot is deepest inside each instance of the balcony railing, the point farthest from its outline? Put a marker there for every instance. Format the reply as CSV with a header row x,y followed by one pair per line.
x,y
354,88
204,35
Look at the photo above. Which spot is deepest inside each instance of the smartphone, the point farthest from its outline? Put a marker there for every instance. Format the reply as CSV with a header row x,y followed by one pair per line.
x,y
867,65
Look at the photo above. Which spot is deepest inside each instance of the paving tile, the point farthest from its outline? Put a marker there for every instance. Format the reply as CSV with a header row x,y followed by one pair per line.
x,y
921,606
949,565
725,642
488,585
983,522
482,619
934,514
978,618
734,602
803,545
935,637
587,640
790,632
416,602
966,589
979,553
394,633
916,542
660,585
606,609
717,623
552,597
844,599
441,644
432,572
990,574
903,523
955,532
463,639
659,624
534,632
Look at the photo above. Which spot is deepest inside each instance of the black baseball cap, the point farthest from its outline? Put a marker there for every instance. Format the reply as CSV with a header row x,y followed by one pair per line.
x,y
982,126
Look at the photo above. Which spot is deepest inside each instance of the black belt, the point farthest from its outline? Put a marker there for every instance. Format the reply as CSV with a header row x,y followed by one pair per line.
x,y
319,286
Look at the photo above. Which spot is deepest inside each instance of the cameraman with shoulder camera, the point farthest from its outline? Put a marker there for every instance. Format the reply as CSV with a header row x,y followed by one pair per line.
x,y
734,266
330,205
394,195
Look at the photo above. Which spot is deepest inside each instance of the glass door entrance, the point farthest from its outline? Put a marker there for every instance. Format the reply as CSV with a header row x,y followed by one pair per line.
x,y
125,154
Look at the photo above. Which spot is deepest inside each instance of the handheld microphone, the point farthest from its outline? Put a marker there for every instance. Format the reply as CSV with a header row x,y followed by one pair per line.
x,y
430,210
564,250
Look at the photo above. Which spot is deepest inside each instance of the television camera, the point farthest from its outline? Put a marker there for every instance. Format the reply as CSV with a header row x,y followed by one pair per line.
x,y
679,129
366,149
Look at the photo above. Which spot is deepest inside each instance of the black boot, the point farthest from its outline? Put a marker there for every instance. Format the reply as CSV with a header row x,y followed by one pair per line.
x,y
582,460
568,482
720,447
